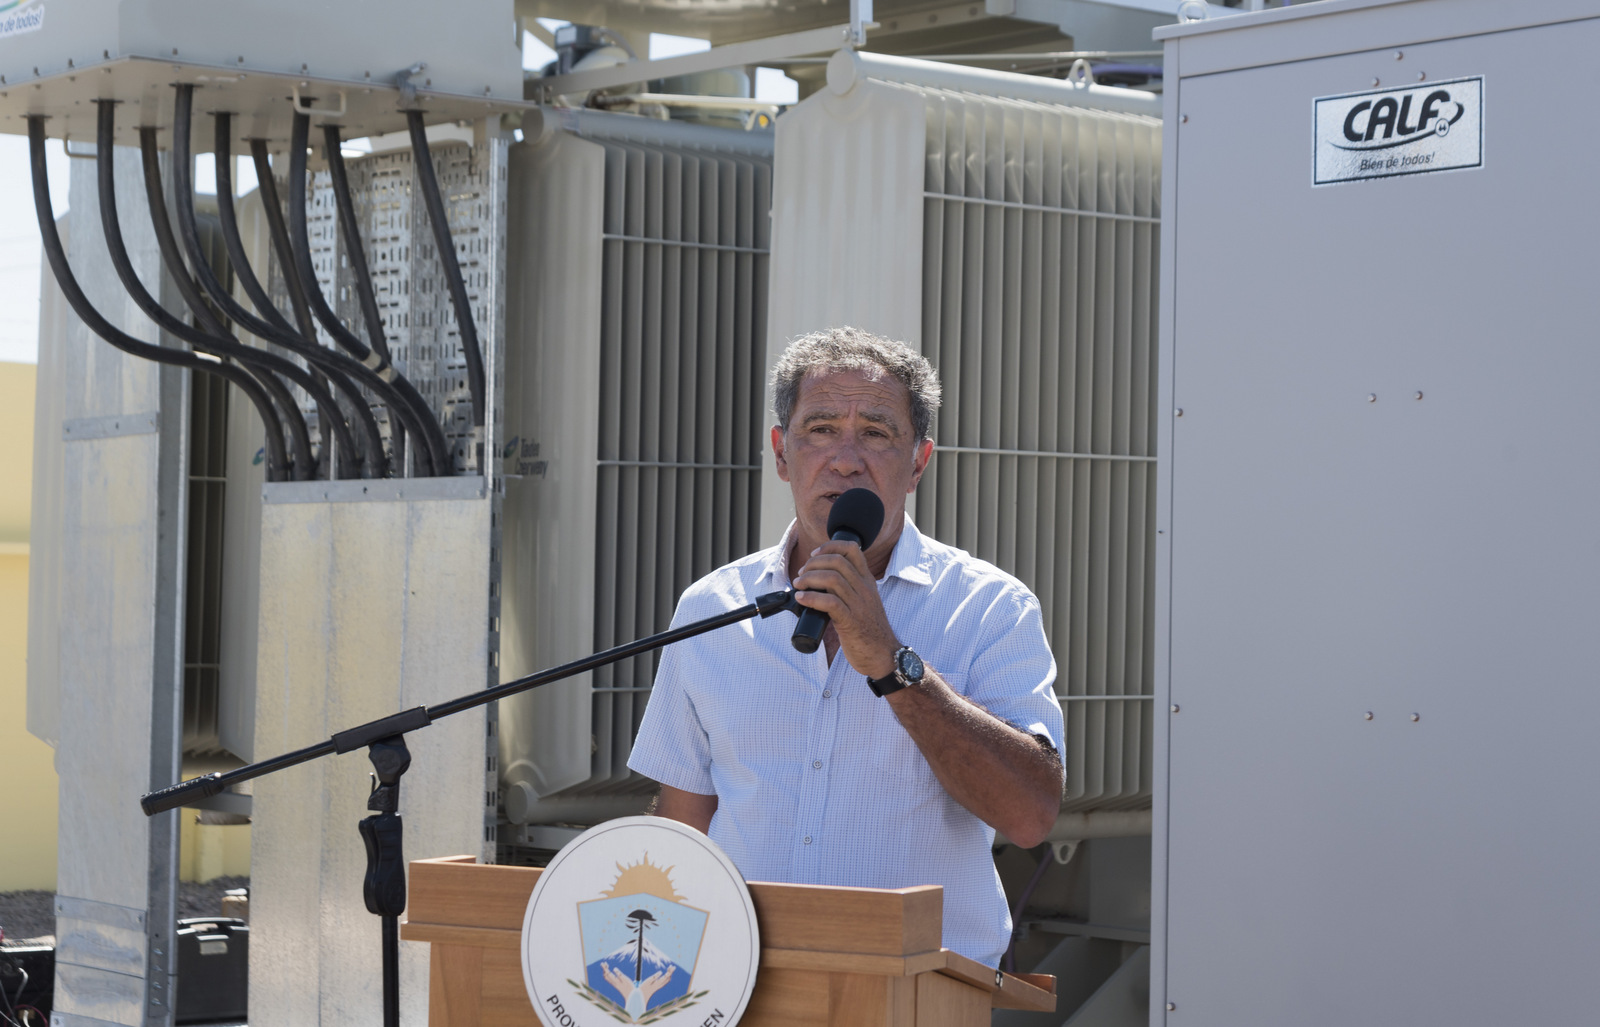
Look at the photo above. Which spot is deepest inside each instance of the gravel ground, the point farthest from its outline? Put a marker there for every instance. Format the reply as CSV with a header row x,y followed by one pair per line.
x,y
206,899
29,916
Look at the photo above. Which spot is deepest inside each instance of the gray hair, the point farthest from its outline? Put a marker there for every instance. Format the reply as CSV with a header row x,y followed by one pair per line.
x,y
851,349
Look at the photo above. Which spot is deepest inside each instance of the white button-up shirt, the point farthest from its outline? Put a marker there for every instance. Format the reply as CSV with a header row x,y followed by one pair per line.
x,y
816,781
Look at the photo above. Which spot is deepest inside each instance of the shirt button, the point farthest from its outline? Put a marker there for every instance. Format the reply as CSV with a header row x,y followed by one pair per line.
x,y
827,693
816,764
807,839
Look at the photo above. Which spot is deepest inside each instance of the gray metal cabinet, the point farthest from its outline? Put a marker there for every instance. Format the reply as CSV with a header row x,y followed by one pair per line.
x,y
1378,560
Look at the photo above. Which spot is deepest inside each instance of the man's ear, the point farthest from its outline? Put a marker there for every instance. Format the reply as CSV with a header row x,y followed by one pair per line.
x,y
920,463
777,453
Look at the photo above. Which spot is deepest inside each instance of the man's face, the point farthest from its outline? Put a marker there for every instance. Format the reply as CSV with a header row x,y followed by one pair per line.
x,y
850,430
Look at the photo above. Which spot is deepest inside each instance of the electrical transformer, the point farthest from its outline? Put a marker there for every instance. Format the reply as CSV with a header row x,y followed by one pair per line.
x,y
1376,557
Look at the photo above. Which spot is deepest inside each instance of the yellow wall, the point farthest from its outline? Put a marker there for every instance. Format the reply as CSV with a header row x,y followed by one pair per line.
x,y
208,851
16,455
27,765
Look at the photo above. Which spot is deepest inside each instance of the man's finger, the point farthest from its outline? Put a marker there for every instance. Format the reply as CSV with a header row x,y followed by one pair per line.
x,y
841,564
850,551
824,601
831,581
833,567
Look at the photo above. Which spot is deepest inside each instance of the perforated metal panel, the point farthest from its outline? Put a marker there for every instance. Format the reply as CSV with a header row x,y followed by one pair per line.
x,y
418,318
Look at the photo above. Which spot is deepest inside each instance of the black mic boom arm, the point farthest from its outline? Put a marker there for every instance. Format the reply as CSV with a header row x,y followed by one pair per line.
x,y
188,792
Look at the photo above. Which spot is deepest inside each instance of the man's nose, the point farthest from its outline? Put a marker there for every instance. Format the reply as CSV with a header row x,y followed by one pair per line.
x,y
846,458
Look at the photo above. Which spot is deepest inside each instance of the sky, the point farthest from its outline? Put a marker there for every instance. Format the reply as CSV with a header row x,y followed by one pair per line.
x,y
19,230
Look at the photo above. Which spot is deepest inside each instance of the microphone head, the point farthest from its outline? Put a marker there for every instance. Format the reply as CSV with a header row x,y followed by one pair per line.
x,y
858,511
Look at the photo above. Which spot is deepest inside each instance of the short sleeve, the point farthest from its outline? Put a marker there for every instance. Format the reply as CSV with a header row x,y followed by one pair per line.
x,y
672,746
1013,674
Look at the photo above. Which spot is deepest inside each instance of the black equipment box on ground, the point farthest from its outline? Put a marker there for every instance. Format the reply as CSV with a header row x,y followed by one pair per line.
x,y
213,970
27,978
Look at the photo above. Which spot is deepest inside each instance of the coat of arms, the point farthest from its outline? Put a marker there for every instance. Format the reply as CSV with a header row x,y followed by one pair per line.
x,y
641,942
636,920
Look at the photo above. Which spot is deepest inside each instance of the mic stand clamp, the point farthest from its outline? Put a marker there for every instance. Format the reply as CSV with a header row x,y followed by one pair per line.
x,y
384,888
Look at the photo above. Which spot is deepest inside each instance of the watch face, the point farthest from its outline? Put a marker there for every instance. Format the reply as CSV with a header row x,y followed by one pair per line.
x,y
909,664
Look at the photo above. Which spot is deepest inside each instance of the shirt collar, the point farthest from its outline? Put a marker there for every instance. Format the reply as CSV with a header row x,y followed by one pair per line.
x,y
908,562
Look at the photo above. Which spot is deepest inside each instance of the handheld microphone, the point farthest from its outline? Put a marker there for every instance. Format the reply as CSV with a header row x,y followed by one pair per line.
x,y
857,516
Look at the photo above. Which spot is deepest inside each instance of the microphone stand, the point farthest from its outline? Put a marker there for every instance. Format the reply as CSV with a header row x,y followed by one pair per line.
x,y
384,888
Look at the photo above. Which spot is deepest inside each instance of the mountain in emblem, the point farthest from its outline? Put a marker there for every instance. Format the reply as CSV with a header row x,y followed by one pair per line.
x,y
623,958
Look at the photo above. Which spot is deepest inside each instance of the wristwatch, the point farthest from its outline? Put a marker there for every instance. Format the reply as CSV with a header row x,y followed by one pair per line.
x,y
908,670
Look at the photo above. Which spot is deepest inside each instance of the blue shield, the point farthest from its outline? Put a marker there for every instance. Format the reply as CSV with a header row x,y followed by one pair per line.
x,y
639,951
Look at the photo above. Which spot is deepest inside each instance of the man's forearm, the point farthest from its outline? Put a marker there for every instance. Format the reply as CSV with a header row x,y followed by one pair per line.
x,y
690,808
1002,775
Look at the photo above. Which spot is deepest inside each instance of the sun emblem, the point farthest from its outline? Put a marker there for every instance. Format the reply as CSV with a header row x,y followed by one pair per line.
x,y
644,878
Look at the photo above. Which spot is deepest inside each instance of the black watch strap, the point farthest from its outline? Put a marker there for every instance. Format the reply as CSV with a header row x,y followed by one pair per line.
x,y
887,685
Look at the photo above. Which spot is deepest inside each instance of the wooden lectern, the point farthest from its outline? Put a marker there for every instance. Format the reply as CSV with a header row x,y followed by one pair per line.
x,y
830,957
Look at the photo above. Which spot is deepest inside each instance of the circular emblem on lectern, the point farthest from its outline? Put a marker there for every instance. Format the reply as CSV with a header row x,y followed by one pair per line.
x,y
640,920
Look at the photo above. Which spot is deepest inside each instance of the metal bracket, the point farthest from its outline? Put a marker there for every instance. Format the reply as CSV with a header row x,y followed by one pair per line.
x,y
108,426
110,914
860,18
301,107
408,88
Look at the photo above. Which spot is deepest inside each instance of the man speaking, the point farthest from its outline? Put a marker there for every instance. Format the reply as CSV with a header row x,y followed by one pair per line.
x,y
895,764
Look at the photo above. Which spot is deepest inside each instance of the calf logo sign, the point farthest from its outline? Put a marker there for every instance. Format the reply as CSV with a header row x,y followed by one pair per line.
x,y
640,921
1390,132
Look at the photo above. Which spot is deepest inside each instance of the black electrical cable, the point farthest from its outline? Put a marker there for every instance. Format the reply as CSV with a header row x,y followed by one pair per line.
x,y
278,232
267,365
170,254
428,429
105,155
222,153
277,460
205,316
167,244
375,464
372,464
306,345
352,231
446,248
10,1013
357,253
